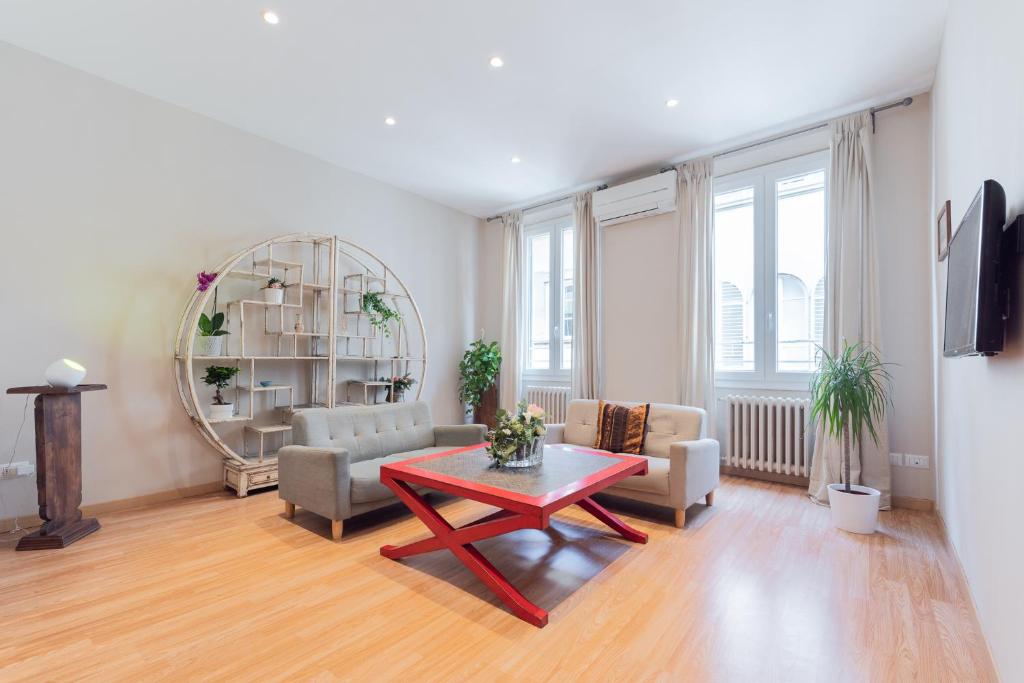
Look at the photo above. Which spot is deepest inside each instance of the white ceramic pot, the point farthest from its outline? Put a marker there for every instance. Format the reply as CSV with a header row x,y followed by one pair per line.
x,y
856,512
208,346
218,412
273,296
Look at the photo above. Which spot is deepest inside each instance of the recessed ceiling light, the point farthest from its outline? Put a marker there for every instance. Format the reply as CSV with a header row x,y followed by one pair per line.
x,y
390,121
271,18
497,62
671,103
515,160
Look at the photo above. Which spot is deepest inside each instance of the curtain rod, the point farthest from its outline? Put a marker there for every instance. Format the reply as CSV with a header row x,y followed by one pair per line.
x,y
905,102
550,201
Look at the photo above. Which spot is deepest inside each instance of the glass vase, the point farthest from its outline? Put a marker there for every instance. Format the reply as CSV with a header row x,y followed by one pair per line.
x,y
528,455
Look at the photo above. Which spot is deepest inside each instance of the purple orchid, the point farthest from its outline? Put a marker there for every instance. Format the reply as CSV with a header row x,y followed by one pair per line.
x,y
204,280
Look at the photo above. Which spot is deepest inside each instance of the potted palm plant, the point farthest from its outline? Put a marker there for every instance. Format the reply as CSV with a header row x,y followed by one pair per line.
x,y
849,395
219,376
478,379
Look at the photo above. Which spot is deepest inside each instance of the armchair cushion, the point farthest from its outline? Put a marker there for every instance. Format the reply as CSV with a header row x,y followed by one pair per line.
x,y
365,475
656,481
460,435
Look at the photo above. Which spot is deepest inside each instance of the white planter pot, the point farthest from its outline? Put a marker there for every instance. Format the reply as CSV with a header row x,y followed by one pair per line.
x,y
218,412
208,346
273,296
856,512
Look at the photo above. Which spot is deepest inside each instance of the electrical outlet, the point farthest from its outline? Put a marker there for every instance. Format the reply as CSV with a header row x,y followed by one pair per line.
x,y
896,459
918,461
16,469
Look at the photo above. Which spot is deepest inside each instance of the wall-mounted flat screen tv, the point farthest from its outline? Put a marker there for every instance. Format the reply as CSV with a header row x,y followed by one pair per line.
x,y
974,314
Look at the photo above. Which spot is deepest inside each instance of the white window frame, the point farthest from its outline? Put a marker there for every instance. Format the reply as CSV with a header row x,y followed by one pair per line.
x,y
555,374
762,179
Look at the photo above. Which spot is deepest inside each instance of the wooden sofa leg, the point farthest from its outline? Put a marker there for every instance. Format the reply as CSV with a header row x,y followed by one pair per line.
x,y
289,509
336,527
710,498
680,518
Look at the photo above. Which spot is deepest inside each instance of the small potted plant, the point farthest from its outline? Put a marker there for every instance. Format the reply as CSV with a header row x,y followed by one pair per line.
x,y
220,376
518,438
379,312
399,385
210,341
273,293
849,395
478,378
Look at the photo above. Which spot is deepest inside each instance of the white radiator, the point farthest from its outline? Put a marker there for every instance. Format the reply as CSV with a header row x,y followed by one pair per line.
x,y
768,434
552,399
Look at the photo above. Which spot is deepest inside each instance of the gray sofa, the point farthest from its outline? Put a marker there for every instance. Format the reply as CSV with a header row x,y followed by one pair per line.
x,y
333,466
682,463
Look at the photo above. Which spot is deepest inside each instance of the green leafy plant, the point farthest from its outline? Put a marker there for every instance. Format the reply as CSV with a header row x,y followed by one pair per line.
x,y
211,327
849,395
219,376
275,283
478,371
380,313
514,430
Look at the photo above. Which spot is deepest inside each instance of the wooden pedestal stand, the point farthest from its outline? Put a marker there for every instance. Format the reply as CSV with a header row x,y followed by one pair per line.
x,y
58,466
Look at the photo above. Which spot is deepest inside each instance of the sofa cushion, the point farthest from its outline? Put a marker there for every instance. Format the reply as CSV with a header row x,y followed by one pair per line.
x,y
656,480
666,424
365,475
367,432
621,429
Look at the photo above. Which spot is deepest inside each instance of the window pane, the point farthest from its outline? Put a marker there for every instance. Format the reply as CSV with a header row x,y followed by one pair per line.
x,y
567,297
734,281
800,253
539,252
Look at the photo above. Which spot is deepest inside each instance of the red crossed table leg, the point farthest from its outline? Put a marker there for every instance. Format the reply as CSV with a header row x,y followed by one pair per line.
x,y
460,540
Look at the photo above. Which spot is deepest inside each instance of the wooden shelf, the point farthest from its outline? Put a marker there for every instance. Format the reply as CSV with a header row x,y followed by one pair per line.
x,y
181,357
272,387
276,262
285,357
368,383
268,429
256,302
233,418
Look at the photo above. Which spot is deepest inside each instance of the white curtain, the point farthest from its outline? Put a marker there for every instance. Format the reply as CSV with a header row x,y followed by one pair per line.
x,y
511,309
852,299
586,333
696,285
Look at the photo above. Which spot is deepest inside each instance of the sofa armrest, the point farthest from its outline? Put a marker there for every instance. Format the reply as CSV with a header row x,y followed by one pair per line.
x,y
460,435
693,471
555,434
316,479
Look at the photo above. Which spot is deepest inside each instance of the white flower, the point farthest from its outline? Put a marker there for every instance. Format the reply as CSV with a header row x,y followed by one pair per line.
x,y
541,430
507,432
535,411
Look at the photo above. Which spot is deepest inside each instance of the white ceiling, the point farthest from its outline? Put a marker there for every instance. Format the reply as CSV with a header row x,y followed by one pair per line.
x,y
580,98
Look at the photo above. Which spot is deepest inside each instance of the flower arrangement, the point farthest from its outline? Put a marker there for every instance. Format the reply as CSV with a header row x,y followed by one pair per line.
x,y
219,376
399,385
517,434
380,313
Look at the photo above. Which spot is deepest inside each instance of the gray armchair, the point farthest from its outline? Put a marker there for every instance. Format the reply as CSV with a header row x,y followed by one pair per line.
x,y
333,466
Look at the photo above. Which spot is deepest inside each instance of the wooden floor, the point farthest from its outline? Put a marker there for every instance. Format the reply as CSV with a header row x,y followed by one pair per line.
x,y
757,588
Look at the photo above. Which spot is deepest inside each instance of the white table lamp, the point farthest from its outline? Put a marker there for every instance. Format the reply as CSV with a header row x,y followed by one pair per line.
x,y
65,373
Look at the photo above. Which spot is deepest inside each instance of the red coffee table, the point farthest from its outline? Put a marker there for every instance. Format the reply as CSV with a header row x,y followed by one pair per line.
x,y
568,475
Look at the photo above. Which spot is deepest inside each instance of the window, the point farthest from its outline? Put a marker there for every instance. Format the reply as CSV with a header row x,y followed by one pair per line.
x,y
549,309
770,272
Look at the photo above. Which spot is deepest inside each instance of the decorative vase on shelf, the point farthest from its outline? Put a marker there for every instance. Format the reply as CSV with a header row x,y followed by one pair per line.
x,y
208,346
299,326
528,454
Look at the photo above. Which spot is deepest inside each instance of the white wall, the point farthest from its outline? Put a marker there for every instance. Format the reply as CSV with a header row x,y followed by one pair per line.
x,y
979,134
641,309
110,201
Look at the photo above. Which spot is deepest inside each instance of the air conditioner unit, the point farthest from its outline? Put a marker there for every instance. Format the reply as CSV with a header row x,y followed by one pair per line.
x,y
636,199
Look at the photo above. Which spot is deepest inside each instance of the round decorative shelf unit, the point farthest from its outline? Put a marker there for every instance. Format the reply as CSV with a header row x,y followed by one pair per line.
x,y
316,346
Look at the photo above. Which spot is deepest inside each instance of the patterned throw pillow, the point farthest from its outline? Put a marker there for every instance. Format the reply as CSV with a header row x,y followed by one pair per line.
x,y
621,429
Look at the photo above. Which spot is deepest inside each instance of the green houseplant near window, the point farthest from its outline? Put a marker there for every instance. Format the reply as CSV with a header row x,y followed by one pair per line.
x,y
849,396
478,373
